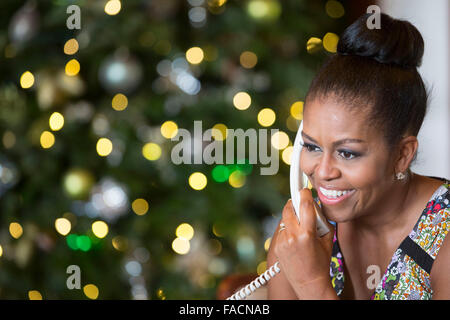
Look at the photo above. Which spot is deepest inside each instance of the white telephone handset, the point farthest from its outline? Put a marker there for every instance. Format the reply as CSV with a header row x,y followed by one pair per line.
x,y
298,181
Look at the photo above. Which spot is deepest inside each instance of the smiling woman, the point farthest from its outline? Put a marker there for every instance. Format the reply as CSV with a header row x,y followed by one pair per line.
x,y
362,115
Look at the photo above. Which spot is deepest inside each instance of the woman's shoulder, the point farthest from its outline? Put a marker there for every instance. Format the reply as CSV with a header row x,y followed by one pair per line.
x,y
434,222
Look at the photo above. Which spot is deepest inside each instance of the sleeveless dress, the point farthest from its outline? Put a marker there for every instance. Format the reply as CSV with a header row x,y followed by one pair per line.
x,y
407,276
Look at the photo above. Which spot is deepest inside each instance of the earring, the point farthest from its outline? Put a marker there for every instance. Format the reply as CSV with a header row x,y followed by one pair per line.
x,y
400,176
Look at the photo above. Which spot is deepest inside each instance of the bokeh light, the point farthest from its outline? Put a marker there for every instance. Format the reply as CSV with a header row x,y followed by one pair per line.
x,y
266,117
119,102
330,41
63,226
287,155
262,267
169,129
140,206
197,181
100,229
151,151
104,147
72,67
297,110
181,245
26,80
112,7
313,44
185,231
280,140
267,244
195,55
34,295
219,132
236,179
334,9
47,139
220,173
248,59
71,46
56,121
91,291
16,230
242,100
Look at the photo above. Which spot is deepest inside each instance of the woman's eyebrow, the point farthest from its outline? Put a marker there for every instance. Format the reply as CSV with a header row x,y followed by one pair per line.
x,y
336,143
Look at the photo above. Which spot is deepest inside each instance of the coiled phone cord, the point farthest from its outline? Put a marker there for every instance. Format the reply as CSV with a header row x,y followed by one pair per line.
x,y
257,283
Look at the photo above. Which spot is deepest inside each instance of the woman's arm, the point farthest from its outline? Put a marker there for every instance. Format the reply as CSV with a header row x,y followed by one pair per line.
x,y
278,287
440,272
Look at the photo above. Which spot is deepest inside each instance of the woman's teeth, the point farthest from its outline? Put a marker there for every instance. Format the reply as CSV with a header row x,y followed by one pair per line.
x,y
334,193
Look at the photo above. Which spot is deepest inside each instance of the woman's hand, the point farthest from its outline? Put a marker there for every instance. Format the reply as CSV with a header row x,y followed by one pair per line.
x,y
303,256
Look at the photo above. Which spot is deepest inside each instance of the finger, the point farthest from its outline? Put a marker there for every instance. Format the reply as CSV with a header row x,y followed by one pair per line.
x,y
289,217
307,211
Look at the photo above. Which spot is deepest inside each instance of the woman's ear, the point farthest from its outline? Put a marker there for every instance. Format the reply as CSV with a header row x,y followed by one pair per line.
x,y
407,149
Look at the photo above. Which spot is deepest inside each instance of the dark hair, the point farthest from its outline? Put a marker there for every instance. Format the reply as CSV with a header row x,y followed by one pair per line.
x,y
375,71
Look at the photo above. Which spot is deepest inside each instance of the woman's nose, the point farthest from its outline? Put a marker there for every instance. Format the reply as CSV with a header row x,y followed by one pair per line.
x,y
326,169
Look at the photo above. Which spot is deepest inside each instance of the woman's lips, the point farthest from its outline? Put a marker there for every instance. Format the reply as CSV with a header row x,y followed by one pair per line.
x,y
324,199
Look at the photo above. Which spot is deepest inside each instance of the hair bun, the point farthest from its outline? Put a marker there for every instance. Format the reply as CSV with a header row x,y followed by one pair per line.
x,y
397,42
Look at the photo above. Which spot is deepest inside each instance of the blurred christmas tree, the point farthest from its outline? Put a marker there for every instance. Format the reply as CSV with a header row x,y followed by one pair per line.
x,y
86,117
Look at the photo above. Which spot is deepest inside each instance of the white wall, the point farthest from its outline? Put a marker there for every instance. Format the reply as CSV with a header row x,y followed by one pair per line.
x,y
431,18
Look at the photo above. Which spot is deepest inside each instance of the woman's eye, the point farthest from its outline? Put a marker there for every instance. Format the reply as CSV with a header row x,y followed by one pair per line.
x,y
309,147
347,155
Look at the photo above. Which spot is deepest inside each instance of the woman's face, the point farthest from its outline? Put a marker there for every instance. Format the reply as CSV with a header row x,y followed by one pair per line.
x,y
361,167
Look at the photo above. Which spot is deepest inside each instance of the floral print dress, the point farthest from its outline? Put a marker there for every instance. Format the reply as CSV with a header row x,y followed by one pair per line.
x,y
407,276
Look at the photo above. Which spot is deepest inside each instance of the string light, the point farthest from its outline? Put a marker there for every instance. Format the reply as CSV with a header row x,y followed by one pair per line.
x,y
185,231
16,230
197,181
334,9
248,59
292,124
100,229
34,295
287,155
91,291
267,244
262,267
297,110
314,44
119,102
169,129
140,206
26,80
56,121
280,140
104,147
119,243
151,151
242,100
72,67
220,173
195,55
266,117
63,226
236,179
9,139
330,41
219,132
112,7
71,46
181,246
47,139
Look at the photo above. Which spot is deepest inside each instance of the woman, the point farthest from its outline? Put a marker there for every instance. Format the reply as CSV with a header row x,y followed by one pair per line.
x,y
361,117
